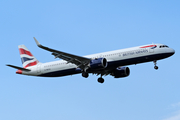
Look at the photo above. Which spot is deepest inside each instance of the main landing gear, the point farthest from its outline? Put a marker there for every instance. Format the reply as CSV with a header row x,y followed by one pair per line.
x,y
100,80
155,62
86,75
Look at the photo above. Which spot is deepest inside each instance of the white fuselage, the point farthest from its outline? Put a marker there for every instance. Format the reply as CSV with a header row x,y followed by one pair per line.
x,y
115,58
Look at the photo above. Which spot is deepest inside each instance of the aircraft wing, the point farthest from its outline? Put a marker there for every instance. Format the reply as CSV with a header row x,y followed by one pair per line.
x,y
81,62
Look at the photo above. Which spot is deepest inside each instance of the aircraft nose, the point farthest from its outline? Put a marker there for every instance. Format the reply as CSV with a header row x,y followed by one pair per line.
x,y
172,51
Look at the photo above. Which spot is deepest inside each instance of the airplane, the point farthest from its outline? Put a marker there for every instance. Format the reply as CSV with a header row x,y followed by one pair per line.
x,y
107,63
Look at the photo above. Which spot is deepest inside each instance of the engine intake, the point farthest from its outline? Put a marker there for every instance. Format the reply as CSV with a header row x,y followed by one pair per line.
x,y
98,63
121,72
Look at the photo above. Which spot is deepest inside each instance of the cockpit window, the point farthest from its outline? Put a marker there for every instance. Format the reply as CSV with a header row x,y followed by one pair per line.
x,y
163,46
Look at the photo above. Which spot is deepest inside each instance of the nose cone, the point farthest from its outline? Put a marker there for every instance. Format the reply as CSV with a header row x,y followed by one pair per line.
x,y
171,51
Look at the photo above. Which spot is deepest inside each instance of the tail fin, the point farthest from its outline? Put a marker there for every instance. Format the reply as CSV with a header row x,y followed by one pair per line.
x,y
26,57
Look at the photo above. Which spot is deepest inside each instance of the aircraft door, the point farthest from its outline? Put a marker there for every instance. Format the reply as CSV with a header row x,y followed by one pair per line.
x,y
38,68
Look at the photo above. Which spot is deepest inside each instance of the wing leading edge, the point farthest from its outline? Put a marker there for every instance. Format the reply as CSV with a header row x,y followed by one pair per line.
x,y
81,62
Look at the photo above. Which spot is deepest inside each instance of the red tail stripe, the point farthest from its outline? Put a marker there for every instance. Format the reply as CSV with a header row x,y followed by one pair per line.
x,y
148,46
22,51
31,64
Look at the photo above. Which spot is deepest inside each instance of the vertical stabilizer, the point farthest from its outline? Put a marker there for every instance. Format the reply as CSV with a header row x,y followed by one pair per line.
x,y
26,57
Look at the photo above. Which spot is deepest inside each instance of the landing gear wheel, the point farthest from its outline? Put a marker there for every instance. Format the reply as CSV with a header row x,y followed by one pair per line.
x,y
155,62
100,80
156,67
85,74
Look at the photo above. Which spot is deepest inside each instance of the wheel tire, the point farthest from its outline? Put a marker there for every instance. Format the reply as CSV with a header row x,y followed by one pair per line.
x,y
100,80
84,74
156,67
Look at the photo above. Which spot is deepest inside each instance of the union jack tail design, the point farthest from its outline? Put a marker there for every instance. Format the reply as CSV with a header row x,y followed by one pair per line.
x,y
26,57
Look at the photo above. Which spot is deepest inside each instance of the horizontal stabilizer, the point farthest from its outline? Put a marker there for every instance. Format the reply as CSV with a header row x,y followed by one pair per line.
x,y
19,68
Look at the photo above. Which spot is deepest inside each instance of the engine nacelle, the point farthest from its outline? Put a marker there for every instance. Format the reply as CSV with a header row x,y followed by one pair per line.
x,y
98,63
121,72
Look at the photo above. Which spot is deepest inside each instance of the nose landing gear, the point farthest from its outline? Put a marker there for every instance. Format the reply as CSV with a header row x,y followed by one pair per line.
x,y
155,62
156,67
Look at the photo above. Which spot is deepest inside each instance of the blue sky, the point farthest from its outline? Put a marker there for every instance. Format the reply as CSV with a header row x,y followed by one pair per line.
x,y
82,28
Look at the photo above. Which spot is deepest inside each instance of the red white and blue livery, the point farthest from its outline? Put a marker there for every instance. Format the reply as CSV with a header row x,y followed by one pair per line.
x,y
107,63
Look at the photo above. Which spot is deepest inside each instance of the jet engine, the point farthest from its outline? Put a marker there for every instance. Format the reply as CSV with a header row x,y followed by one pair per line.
x,y
98,63
121,72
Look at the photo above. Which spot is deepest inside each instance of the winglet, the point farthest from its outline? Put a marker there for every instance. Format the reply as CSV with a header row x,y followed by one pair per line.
x,y
38,44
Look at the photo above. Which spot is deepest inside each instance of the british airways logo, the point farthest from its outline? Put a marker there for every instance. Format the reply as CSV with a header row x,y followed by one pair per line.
x,y
149,46
135,52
